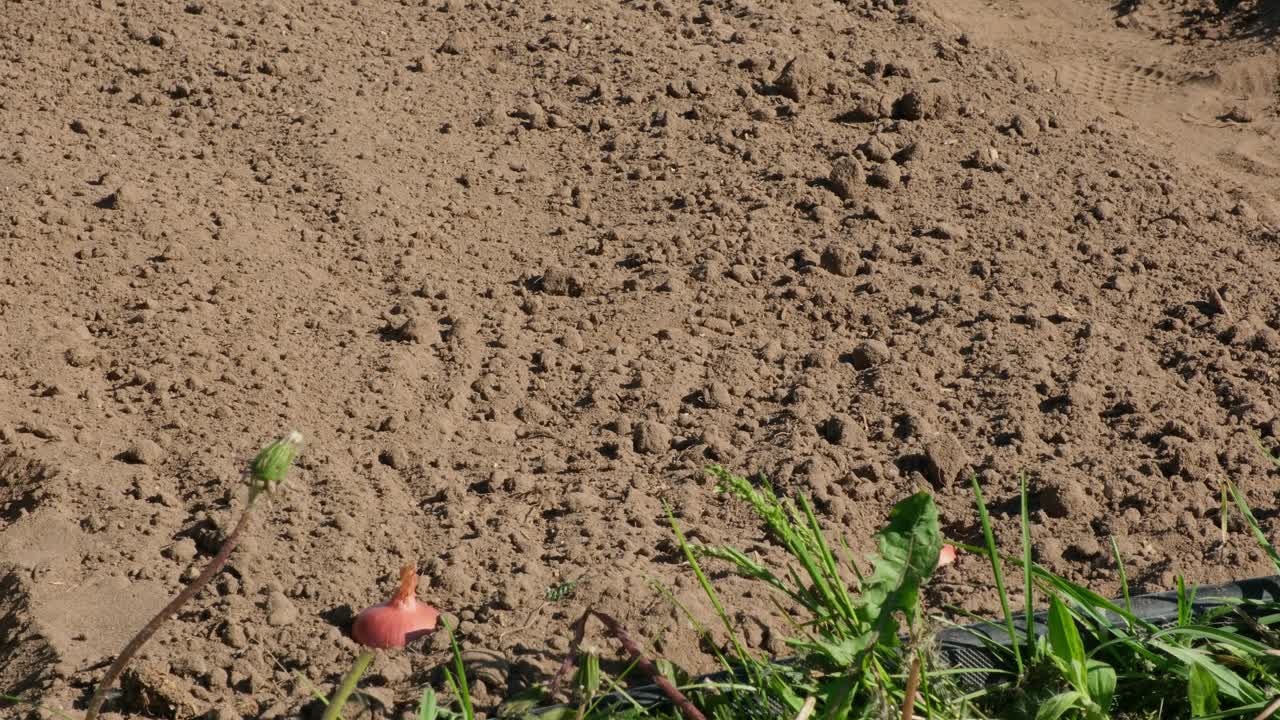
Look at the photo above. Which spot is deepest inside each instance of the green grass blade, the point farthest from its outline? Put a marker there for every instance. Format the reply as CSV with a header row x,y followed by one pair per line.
x,y
1249,519
1027,589
1058,705
1229,682
1246,645
994,554
457,679
839,592
1184,602
1124,579
711,594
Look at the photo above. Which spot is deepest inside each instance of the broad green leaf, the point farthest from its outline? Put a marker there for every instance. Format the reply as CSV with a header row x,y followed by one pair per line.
x,y
1058,705
838,697
1202,691
427,709
908,555
1064,640
842,654
1102,684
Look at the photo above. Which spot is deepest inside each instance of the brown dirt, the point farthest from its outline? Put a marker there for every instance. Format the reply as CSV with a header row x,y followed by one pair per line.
x,y
520,270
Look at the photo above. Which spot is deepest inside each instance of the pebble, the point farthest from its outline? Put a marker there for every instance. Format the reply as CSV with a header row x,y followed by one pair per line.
x,y
1245,210
878,211
455,43
922,103
986,158
1025,127
912,152
534,115
280,610
772,351
876,149
234,636
124,197
843,430
413,331
1119,283
1104,210
948,231
1238,114
42,430
716,395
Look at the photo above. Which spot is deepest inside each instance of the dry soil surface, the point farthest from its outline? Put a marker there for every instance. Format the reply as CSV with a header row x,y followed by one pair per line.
x,y
520,270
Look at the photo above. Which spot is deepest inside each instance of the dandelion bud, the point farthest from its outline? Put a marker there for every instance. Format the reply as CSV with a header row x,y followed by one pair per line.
x,y
272,463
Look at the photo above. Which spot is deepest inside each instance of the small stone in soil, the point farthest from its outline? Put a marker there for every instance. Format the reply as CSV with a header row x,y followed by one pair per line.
x,y
280,610
143,452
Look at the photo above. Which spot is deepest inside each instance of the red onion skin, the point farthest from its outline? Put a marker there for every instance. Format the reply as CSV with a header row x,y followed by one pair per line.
x,y
397,621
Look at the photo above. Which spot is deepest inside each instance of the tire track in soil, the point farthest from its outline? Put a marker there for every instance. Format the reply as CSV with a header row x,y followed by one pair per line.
x,y
1178,93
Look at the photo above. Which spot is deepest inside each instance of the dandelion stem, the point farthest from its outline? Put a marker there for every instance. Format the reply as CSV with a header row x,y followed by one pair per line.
x,y
190,591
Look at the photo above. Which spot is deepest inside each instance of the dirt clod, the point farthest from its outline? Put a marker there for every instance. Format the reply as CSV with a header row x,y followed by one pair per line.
x,y
143,452
869,354
847,176
652,437
947,462
799,77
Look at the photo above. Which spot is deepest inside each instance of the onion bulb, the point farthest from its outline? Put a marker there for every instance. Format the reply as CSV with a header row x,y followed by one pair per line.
x,y
399,620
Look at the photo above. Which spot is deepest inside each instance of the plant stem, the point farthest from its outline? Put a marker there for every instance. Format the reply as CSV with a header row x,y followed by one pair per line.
x,y
348,686
913,685
190,591
677,698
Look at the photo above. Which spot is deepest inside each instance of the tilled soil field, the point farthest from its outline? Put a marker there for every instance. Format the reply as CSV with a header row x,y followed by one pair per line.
x,y
521,270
